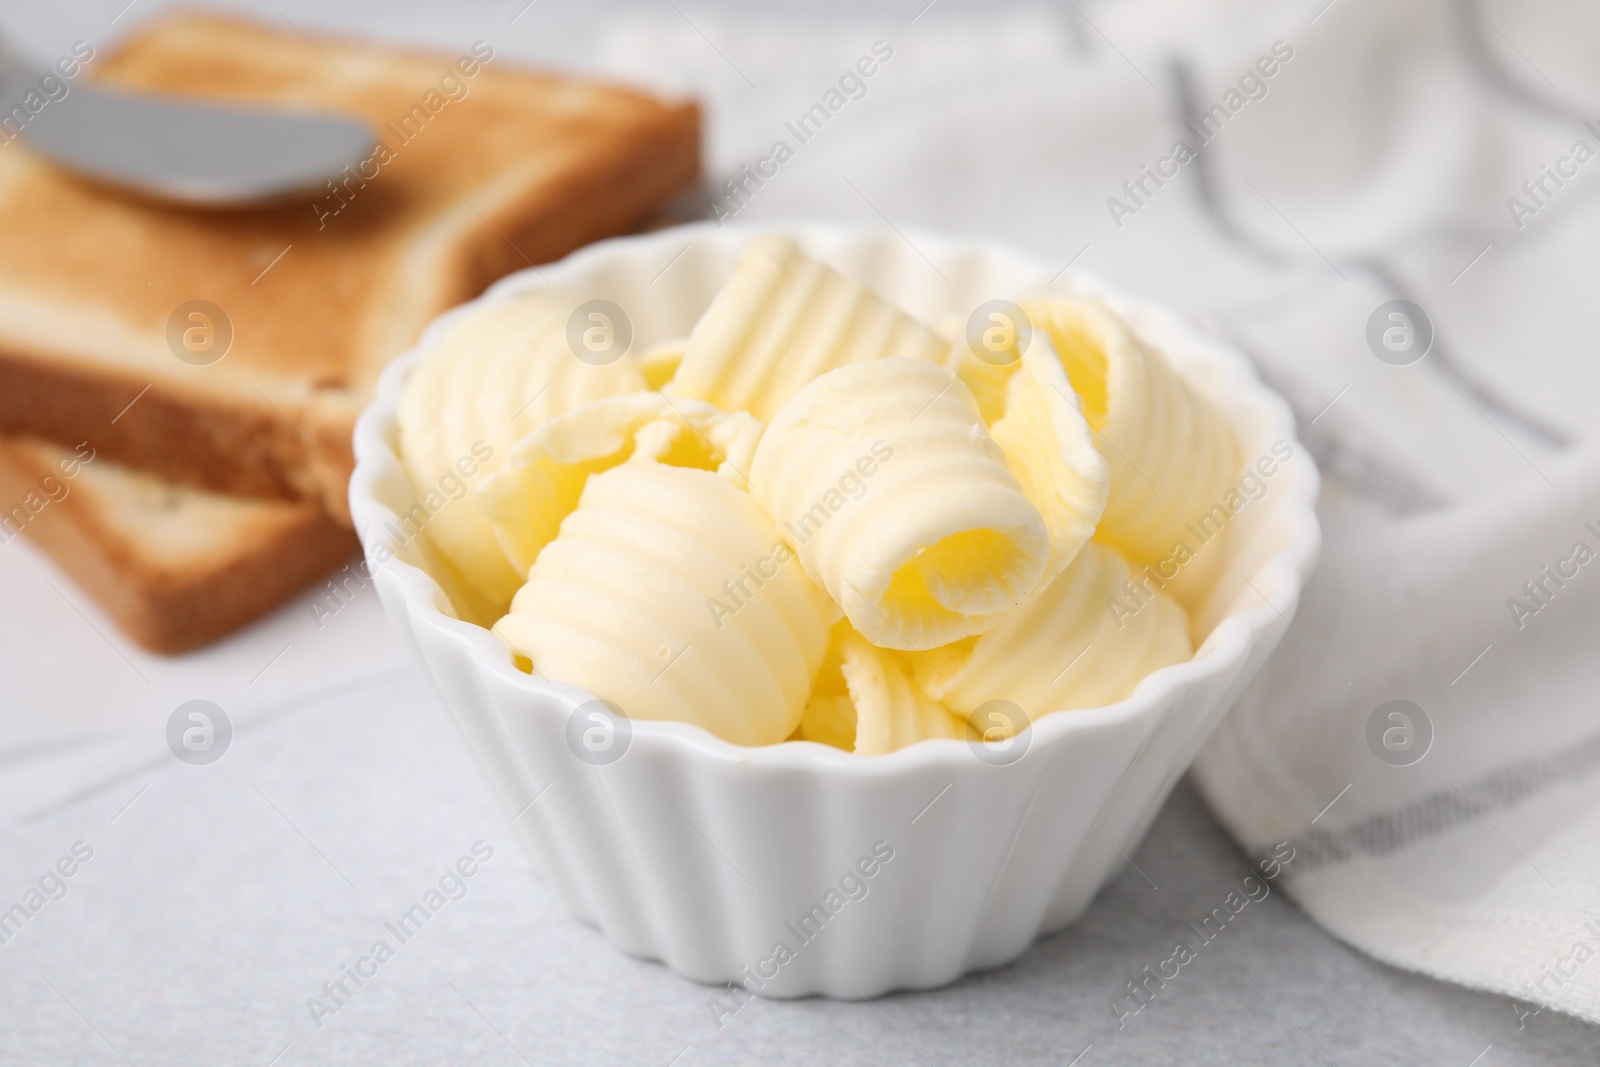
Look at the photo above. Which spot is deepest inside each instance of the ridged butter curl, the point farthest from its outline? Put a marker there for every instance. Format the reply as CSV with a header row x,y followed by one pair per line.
x,y
920,521
865,700
497,374
1173,455
883,478
782,320
646,599
891,711
526,499
1085,641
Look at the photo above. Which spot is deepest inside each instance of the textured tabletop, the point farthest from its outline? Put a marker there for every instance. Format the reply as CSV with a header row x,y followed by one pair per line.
x,y
219,899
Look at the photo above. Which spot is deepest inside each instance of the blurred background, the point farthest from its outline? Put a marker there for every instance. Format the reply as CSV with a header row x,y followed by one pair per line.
x,y
1395,151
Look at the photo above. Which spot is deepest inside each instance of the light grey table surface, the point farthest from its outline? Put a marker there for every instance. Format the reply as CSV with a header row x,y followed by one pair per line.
x,y
218,900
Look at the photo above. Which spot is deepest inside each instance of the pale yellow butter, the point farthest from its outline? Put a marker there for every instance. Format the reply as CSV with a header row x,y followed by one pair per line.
x,y
500,372
784,319
865,701
526,499
693,521
646,599
830,715
891,711
882,477
659,363
1050,448
829,720
1173,456
986,377
1085,641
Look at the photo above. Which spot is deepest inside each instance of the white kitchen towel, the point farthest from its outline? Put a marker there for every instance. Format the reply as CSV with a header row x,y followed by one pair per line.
x,y
1427,740
1353,153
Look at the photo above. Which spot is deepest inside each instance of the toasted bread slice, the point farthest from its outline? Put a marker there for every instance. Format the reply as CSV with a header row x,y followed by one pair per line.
x,y
176,567
480,173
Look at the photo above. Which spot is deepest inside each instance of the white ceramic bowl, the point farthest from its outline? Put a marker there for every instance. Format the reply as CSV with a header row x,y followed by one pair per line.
x,y
705,855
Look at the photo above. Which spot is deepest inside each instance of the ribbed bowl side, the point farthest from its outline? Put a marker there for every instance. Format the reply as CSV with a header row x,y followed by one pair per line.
x,y
797,869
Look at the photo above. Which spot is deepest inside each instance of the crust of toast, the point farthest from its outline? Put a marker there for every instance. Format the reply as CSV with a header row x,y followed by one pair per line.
x,y
176,567
520,170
